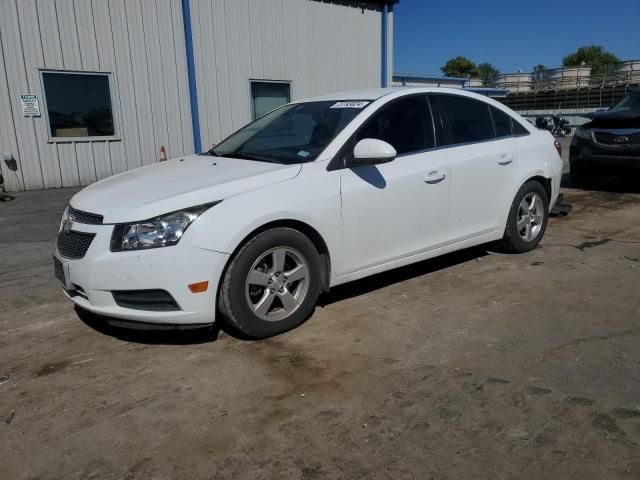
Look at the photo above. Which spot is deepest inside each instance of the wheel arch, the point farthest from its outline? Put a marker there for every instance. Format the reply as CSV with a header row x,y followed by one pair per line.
x,y
537,177
304,228
546,183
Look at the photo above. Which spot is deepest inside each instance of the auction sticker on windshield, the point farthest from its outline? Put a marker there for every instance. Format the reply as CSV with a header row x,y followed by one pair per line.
x,y
350,104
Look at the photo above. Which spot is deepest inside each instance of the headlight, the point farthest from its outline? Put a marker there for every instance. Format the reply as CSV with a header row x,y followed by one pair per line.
x,y
162,231
583,133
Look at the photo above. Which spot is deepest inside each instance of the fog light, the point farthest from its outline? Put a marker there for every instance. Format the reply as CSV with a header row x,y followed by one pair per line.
x,y
199,287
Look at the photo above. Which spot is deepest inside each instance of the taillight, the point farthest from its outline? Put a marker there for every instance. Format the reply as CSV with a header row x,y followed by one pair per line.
x,y
558,146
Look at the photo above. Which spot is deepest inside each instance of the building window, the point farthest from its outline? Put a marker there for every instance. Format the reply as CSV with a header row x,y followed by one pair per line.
x,y
267,96
78,104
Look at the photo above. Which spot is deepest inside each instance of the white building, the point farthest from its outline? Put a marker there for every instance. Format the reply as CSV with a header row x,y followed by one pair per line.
x,y
90,88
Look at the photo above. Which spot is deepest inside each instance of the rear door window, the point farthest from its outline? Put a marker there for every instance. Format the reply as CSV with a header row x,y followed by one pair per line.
x,y
463,119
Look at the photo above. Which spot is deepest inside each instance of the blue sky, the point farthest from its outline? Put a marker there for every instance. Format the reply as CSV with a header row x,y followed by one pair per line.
x,y
512,35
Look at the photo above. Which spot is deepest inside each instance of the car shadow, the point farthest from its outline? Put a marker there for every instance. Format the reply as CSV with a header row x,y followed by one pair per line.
x,y
148,336
208,334
391,277
604,184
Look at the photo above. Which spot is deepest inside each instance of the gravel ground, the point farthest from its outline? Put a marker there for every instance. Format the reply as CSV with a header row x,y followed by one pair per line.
x,y
474,365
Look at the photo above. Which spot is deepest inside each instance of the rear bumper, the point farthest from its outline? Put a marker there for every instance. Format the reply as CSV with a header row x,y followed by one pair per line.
x,y
91,280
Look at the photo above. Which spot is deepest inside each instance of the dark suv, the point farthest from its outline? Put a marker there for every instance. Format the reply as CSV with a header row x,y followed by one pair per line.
x,y
610,143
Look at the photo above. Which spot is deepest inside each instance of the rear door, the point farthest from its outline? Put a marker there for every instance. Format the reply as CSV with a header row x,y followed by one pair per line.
x,y
482,165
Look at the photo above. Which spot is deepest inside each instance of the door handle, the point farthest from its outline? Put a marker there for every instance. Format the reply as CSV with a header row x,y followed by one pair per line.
x,y
434,177
504,160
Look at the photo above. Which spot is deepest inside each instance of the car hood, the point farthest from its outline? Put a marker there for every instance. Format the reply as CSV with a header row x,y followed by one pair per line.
x,y
164,187
613,115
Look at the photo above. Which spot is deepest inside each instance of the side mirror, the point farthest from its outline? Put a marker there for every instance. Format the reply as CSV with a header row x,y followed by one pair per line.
x,y
370,151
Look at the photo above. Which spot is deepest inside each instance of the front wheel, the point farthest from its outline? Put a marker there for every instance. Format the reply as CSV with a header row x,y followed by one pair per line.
x,y
527,219
271,284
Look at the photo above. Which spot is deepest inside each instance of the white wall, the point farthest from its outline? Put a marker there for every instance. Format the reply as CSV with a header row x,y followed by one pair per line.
x,y
140,42
319,46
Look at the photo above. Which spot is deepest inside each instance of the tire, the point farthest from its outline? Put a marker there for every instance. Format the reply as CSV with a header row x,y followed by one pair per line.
x,y
269,303
518,237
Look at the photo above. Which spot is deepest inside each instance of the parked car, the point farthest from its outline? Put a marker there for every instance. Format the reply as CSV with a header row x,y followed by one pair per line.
x,y
312,195
609,144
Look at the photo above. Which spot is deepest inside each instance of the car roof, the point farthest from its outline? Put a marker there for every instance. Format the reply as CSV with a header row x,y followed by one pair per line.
x,y
376,93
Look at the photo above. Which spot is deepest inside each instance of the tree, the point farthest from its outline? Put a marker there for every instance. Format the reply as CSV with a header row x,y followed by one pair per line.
x,y
593,56
460,67
538,71
487,73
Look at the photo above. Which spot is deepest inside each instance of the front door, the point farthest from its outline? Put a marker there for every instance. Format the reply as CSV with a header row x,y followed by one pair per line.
x,y
394,210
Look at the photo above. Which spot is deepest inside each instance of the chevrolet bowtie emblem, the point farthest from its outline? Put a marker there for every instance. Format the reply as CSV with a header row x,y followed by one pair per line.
x,y
67,225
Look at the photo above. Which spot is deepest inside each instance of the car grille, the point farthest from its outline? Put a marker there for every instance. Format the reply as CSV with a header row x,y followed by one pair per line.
x,y
74,244
85,217
607,138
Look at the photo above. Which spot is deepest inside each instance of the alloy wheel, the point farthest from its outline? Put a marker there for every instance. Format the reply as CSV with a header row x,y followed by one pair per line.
x,y
277,283
530,216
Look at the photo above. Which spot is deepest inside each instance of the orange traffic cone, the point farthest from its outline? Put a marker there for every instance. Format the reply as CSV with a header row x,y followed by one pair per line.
x,y
163,154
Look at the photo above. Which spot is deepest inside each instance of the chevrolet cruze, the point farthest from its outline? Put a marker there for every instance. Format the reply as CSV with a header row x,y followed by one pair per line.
x,y
312,195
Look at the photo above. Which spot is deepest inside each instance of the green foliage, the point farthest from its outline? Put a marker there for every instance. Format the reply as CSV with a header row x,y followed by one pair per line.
x,y
487,72
593,56
460,67
538,71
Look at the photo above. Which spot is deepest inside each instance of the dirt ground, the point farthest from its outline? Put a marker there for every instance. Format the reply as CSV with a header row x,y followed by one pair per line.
x,y
475,365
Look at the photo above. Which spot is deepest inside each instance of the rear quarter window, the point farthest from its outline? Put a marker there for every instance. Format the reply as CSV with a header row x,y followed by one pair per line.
x,y
502,122
518,129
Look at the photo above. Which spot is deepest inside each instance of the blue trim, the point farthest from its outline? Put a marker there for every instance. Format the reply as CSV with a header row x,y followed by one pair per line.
x,y
191,73
383,74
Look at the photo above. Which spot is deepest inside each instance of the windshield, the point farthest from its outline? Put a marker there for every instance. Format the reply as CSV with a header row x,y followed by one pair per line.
x,y
630,103
294,133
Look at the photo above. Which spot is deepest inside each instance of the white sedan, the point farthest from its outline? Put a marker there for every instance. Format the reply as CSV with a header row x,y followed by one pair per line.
x,y
312,195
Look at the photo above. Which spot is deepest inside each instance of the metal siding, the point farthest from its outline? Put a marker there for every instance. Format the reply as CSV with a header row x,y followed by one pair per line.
x,y
168,65
126,94
109,157
141,81
182,89
33,59
8,140
220,50
319,47
27,154
239,43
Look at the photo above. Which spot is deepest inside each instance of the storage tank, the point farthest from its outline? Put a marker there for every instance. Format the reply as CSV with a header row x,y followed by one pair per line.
x,y
515,82
475,82
628,72
566,78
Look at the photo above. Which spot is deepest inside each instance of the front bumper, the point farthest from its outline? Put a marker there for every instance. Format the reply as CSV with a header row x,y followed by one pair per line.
x,y
604,159
90,281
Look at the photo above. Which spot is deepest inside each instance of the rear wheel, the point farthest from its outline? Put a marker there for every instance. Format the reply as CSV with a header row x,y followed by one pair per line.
x,y
527,219
272,283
